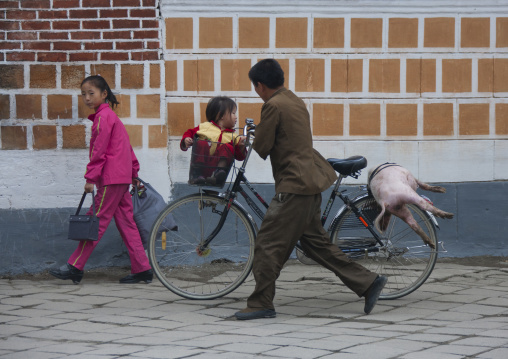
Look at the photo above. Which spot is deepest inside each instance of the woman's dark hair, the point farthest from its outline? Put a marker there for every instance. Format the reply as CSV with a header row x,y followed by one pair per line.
x,y
99,82
268,72
218,107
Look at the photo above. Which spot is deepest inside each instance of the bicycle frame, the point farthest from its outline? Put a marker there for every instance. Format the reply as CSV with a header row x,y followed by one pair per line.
x,y
230,196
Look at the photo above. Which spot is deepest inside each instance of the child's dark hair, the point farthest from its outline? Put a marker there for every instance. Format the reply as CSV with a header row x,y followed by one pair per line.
x,y
268,72
99,82
218,107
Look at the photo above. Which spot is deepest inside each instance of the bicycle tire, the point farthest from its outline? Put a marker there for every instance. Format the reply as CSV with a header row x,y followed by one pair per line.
x,y
404,258
209,274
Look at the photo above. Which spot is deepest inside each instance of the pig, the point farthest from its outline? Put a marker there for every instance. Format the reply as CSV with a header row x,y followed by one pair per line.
x,y
393,187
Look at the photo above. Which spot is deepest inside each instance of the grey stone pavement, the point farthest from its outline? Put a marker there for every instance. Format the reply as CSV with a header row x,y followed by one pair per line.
x,y
460,312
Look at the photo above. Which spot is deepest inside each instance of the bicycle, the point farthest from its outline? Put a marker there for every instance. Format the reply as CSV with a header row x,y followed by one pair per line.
x,y
211,253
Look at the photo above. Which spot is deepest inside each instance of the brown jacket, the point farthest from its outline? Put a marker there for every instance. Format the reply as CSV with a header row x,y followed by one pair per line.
x,y
284,135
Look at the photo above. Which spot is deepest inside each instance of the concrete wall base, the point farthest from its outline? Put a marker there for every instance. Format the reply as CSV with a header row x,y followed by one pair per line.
x,y
34,240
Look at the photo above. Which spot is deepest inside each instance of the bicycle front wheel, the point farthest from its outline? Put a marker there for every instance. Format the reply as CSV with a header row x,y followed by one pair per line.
x,y
403,258
179,259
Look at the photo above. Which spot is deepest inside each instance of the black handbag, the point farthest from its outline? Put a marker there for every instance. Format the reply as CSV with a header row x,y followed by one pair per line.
x,y
84,227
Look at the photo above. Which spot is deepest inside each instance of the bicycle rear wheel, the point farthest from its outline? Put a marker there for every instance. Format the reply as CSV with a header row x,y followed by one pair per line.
x,y
404,258
195,273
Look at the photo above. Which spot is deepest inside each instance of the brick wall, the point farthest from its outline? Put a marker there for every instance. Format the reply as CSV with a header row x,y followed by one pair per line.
x,y
416,85
49,47
74,30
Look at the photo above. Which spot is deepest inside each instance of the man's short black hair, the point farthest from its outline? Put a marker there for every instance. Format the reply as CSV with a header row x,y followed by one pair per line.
x,y
268,72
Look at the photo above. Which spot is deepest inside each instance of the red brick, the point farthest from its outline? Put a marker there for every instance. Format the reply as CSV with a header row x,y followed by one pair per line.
x,y
98,45
113,35
85,35
125,24
150,24
152,45
21,14
12,45
74,136
28,106
35,25
66,25
20,56
145,56
148,3
9,25
5,107
131,45
99,24
96,3
53,35
52,56
126,3
44,137
114,56
58,4
93,56
37,4
53,14
66,45
2,57
143,13
11,76
22,36
146,34
37,45
114,13
9,4
14,138
82,14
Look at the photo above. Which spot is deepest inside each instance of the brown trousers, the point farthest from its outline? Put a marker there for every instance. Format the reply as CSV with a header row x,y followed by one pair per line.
x,y
289,218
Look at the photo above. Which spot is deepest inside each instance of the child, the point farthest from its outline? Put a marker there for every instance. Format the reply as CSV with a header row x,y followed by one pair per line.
x,y
210,157
112,168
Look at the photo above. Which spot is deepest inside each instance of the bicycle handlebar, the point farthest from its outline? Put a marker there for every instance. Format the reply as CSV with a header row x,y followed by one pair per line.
x,y
248,130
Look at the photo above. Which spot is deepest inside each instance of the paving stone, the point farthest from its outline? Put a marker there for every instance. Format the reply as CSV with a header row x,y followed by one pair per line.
x,y
40,322
297,352
482,341
480,309
248,348
6,330
498,353
68,348
25,354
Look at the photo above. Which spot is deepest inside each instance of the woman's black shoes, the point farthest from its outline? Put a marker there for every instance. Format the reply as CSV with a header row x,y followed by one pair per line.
x,y
145,276
67,271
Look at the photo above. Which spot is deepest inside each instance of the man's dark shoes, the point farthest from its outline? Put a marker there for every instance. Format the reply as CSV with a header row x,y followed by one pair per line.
x,y
256,314
145,276
67,271
372,294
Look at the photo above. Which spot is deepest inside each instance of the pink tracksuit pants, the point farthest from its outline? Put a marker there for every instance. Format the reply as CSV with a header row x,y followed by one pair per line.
x,y
114,201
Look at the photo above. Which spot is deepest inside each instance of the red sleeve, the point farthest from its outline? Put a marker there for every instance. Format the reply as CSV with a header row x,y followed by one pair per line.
x,y
99,147
191,132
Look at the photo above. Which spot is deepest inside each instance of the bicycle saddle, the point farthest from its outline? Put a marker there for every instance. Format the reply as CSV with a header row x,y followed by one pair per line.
x,y
349,166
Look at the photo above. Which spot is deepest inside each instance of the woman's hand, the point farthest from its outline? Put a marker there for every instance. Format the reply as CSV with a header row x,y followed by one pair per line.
x,y
89,187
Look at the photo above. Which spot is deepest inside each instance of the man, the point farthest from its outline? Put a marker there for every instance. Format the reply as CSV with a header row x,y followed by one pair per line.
x,y
300,174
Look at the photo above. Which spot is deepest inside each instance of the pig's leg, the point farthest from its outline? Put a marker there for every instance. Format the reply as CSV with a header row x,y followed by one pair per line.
x,y
404,214
430,188
426,206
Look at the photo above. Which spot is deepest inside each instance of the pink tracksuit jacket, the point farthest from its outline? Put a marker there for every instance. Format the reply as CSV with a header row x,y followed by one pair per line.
x,y
112,160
